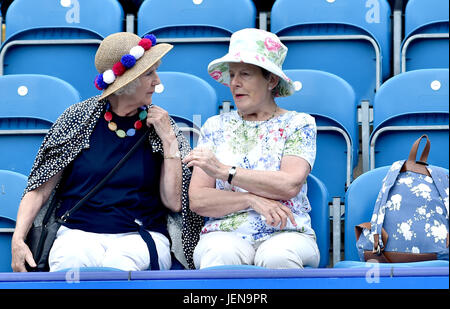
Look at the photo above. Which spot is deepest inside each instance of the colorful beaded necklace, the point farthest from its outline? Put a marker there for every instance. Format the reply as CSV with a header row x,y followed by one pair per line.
x,y
142,114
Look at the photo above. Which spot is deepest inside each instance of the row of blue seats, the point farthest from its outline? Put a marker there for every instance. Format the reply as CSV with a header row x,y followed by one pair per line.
x,y
359,203
327,37
333,36
405,107
335,41
132,6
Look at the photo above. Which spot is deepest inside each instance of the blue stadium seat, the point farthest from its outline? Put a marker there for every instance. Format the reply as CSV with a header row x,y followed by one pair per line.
x,y
359,204
58,38
12,186
318,198
406,106
29,104
340,37
188,99
331,101
425,44
199,30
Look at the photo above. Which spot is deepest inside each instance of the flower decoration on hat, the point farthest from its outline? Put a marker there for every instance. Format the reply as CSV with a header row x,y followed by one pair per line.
x,y
103,80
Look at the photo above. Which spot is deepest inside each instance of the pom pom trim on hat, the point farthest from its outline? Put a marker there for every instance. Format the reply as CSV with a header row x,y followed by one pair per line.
x,y
100,83
137,52
109,77
103,80
96,85
128,61
146,44
118,68
151,37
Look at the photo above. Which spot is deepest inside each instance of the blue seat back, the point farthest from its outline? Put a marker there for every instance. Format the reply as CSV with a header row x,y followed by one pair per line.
x,y
28,20
29,102
359,203
179,19
426,17
331,101
188,99
12,186
344,58
318,198
414,98
99,17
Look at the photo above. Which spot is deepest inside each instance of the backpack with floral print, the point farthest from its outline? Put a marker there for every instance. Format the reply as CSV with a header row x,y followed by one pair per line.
x,y
410,220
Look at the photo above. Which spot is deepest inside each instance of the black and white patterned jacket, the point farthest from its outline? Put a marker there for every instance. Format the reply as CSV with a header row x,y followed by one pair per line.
x,y
70,134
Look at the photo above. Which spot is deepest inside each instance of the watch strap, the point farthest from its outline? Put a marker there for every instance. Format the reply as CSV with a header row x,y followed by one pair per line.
x,y
231,173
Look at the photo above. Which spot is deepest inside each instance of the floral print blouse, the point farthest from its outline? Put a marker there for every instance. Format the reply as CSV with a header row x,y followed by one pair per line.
x,y
260,145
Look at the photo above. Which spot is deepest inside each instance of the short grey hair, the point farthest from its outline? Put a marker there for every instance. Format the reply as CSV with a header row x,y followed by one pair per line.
x,y
130,88
266,74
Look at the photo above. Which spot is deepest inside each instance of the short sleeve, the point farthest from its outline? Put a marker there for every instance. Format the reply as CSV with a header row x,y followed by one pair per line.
x,y
301,139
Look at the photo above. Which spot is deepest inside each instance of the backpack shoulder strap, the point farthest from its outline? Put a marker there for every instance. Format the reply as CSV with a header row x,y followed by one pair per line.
x,y
380,204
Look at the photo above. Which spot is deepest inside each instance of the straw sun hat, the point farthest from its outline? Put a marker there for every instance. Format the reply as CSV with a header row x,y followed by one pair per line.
x,y
257,47
123,57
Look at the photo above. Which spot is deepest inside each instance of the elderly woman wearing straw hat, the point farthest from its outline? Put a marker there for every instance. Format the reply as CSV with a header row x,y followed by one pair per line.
x,y
250,165
85,143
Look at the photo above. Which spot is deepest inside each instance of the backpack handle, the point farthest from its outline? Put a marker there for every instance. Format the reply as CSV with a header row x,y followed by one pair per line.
x,y
419,166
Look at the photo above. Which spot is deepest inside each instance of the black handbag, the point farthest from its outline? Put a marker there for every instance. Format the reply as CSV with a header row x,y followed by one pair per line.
x,y
40,238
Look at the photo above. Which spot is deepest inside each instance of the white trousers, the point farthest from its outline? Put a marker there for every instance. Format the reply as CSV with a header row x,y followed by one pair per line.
x,y
126,251
280,251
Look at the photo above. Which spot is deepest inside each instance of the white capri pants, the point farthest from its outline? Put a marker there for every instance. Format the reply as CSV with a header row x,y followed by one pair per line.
x,y
280,251
125,251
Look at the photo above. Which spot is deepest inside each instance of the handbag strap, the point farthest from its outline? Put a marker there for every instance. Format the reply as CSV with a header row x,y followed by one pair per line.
x,y
69,212
418,166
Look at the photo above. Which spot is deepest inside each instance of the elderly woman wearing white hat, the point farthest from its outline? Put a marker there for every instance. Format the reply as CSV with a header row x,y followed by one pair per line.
x,y
85,143
251,165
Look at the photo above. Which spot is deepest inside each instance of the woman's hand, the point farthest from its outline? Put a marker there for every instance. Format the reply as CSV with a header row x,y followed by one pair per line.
x,y
21,254
273,211
171,174
207,161
160,120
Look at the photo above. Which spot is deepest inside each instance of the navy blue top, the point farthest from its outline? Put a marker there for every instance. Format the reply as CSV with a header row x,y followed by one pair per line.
x,y
131,193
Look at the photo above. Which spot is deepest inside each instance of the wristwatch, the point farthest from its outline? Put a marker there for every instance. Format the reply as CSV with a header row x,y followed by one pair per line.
x,y
231,173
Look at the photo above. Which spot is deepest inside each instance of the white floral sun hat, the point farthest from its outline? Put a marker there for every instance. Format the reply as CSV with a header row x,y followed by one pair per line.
x,y
257,47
